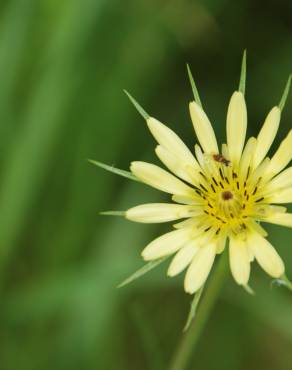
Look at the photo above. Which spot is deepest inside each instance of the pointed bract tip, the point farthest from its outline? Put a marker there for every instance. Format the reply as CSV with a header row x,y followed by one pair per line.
x,y
194,87
112,213
193,308
143,113
142,271
285,93
114,170
242,80
248,289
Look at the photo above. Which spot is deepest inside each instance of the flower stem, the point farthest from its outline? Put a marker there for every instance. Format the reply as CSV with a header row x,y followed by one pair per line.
x,y
188,342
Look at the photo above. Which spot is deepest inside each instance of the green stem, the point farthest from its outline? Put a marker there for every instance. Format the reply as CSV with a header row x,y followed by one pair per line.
x,y
188,342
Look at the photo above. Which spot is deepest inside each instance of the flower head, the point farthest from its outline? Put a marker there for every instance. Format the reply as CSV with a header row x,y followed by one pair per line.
x,y
221,193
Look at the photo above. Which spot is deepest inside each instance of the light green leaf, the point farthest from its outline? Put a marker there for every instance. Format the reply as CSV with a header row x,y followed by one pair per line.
x,y
193,308
194,87
115,170
143,113
242,81
143,270
285,94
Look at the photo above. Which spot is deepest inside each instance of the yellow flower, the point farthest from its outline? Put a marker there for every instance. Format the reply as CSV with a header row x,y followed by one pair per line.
x,y
220,194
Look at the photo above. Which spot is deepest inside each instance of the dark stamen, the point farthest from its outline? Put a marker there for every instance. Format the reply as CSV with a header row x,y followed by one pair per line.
x,y
248,171
215,181
221,174
226,195
203,187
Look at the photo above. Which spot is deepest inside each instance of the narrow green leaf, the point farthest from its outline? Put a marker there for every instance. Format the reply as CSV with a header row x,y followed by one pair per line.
x,y
248,289
112,169
194,87
193,308
143,113
112,213
242,80
143,270
285,94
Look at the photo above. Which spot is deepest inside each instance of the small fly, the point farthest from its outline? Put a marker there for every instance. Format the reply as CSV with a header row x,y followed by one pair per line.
x,y
221,159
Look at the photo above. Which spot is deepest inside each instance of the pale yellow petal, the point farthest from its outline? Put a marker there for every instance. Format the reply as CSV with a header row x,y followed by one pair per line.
x,y
158,212
200,268
282,157
236,126
280,218
203,129
182,258
187,200
221,243
166,244
247,156
267,135
160,179
266,255
283,180
239,261
186,223
170,141
181,169
281,196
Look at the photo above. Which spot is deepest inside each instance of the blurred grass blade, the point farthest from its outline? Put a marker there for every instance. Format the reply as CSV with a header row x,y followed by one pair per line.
x,y
143,270
285,94
114,170
42,122
242,81
143,113
194,87
193,309
149,338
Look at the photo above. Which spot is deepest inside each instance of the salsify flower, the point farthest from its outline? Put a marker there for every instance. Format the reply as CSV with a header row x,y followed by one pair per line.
x,y
221,193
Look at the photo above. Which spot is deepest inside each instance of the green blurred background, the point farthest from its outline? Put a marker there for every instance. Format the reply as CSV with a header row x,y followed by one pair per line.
x,y
63,65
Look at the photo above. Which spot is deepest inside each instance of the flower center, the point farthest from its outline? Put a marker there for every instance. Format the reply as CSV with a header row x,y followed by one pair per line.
x,y
230,196
226,195
229,204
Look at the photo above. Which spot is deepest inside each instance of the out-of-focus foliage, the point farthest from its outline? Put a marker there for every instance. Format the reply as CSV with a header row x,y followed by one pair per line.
x,y
63,66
